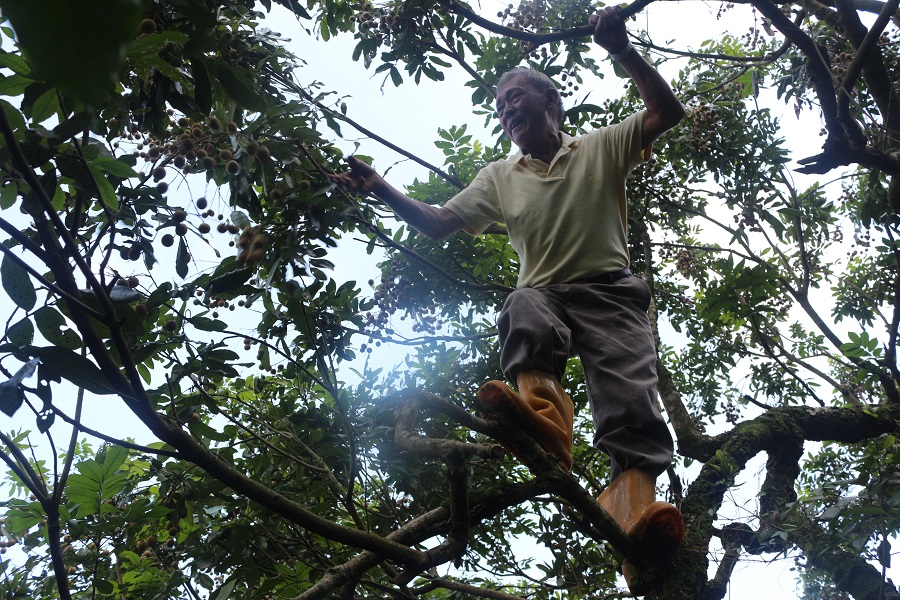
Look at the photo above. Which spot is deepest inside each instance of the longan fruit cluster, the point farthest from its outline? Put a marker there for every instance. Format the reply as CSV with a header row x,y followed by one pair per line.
x,y
840,61
686,262
132,252
197,145
147,26
9,542
264,365
529,50
190,146
747,219
215,303
570,83
131,282
252,243
179,217
684,258
395,293
528,15
377,21
703,119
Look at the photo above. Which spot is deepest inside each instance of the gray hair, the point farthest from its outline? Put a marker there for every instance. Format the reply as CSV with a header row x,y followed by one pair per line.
x,y
537,81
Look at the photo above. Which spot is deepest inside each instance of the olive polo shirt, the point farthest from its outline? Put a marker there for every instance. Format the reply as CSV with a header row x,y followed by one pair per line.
x,y
566,220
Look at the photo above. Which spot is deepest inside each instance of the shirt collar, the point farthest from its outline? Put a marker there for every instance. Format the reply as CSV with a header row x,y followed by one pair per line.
x,y
569,143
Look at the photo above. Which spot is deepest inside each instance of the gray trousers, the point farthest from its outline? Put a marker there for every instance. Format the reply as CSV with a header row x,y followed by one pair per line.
x,y
606,325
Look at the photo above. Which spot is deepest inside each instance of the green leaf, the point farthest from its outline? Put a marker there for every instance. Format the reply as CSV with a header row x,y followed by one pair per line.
x,y
17,283
45,106
74,368
202,85
201,429
222,355
106,189
8,195
396,77
77,46
20,517
182,259
155,42
224,592
89,488
114,166
15,63
22,333
16,121
55,329
241,88
230,281
11,398
206,324
113,458
14,85
73,126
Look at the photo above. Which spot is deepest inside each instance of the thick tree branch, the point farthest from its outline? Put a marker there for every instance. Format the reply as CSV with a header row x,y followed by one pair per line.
x,y
411,405
468,590
424,527
870,6
732,537
869,61
850,572
537,38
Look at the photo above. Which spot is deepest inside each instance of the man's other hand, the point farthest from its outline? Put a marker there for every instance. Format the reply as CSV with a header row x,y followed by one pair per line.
x,y
361,178
609,29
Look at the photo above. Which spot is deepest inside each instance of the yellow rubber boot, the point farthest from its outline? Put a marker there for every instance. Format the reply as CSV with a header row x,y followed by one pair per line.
x,y
544,409
656,526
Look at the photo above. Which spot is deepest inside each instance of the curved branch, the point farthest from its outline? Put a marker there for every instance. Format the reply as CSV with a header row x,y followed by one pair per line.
x,y
690,440
458,529
732,537
537,38
448,51
406,437
748,61
468,590
484,506
60,573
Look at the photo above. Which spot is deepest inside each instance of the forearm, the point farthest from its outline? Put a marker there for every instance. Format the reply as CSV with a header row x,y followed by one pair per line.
x,y
655,91
436,223
663,108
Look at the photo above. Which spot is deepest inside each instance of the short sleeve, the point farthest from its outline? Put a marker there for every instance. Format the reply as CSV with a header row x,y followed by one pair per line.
x,y
479,204
622,141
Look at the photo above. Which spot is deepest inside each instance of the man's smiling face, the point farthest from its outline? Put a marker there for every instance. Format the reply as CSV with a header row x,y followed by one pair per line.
x,y
526,114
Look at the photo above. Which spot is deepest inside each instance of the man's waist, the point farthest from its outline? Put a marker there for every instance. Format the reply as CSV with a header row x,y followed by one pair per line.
x,y
605,278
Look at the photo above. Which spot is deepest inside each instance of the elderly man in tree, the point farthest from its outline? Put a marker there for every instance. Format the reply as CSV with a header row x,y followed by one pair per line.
x,y
563,202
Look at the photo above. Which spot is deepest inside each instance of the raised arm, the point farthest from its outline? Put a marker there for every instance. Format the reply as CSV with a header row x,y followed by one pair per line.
x,y
664,110
436,223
